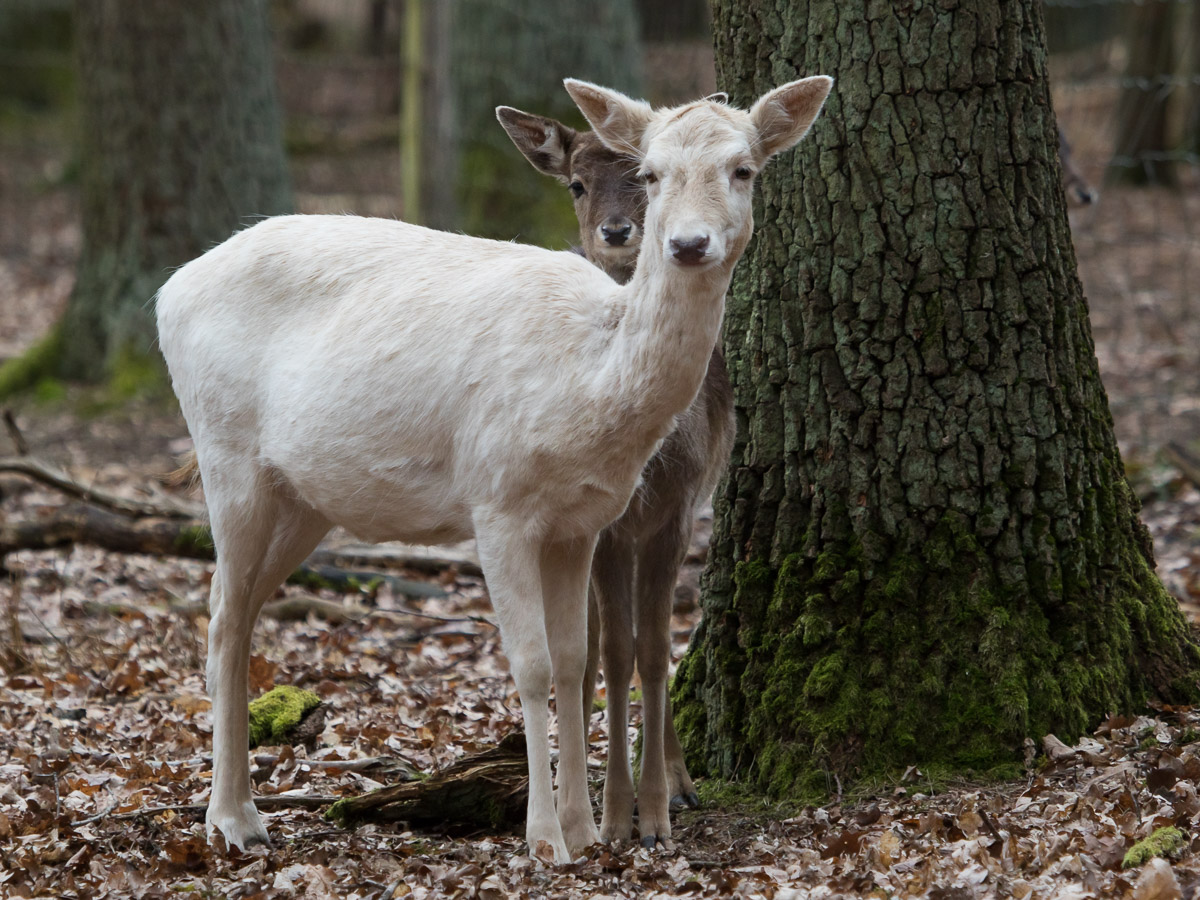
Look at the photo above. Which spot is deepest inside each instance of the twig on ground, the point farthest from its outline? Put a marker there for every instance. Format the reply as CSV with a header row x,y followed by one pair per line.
x,y
405,611
297,608
276,801
365,764
14,432
98,816
1187,464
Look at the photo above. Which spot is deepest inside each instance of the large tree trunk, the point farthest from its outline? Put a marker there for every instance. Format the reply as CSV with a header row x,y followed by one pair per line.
x,y
926,549
180,144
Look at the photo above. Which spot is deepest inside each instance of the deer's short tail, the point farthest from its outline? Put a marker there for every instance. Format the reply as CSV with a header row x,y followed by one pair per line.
x,y
188,474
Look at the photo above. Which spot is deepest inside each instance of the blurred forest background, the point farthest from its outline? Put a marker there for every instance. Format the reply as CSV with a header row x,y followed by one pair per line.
x,y
387,110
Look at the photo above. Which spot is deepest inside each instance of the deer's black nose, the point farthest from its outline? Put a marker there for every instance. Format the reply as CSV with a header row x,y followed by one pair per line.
x,y
616,235
689,251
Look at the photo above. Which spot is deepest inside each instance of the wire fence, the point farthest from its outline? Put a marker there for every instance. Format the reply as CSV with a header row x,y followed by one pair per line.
x,y
1125,76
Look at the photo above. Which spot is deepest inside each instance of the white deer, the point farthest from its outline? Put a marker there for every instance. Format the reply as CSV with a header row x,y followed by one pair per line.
x,y
415,385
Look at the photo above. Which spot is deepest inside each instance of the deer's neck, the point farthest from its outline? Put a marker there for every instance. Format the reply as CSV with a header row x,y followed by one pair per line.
x,y
671,323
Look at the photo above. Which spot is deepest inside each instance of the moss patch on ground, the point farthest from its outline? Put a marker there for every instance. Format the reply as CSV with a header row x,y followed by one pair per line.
x,y
1165,842
276,713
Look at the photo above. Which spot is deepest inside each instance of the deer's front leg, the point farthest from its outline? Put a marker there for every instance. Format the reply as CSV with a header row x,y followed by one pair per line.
x,y
511,568
565,566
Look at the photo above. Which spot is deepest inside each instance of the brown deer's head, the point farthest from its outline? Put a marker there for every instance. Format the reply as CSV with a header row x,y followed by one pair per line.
x,y
1079,192
610,199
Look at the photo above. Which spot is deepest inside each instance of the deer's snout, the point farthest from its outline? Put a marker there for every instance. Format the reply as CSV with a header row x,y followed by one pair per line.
x,y
616,232
689,251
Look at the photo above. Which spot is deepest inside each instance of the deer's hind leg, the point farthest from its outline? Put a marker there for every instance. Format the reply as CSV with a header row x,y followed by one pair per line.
x,y
658,562
261,534
612,583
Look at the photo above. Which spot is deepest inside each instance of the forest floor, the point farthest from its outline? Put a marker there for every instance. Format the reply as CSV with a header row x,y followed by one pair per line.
x,y
105,732
105,736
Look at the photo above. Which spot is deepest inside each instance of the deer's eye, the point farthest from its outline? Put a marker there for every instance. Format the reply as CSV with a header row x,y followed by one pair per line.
x,y
576,188
649,177
743,173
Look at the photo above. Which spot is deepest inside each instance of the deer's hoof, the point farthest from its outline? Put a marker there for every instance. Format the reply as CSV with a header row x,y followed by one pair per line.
x,y
651,841
690,800
241,827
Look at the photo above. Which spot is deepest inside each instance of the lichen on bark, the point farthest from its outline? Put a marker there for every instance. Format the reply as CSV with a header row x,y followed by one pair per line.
x,y
925,548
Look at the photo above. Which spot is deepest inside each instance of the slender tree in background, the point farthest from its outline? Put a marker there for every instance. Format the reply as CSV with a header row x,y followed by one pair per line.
x,y
1142,135
925,549
180,143
1191,117
517,54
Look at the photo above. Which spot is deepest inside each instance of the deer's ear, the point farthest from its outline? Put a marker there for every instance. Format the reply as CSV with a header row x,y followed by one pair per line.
x,y
784,115
618,121
546,143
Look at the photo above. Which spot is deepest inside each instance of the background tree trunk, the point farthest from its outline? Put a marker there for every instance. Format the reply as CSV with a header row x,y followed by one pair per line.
x,y
439,146
499,194
926,549
673,20
1191,114
180,144
1142,135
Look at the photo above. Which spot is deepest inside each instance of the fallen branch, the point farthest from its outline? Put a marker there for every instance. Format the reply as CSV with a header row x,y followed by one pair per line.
x,y
387,765
487,790
391,556
291,609
47,474
83,523
404,611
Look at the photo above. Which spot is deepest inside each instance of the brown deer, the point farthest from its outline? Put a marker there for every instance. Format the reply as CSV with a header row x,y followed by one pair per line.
x,y
637,557
1079,192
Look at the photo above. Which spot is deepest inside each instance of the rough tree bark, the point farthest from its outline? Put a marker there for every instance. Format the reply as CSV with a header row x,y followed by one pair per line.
x,y
180,144
925,549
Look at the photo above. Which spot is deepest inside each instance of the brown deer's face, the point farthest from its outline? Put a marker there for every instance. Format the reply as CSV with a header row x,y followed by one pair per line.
x,y
610,203
610,199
